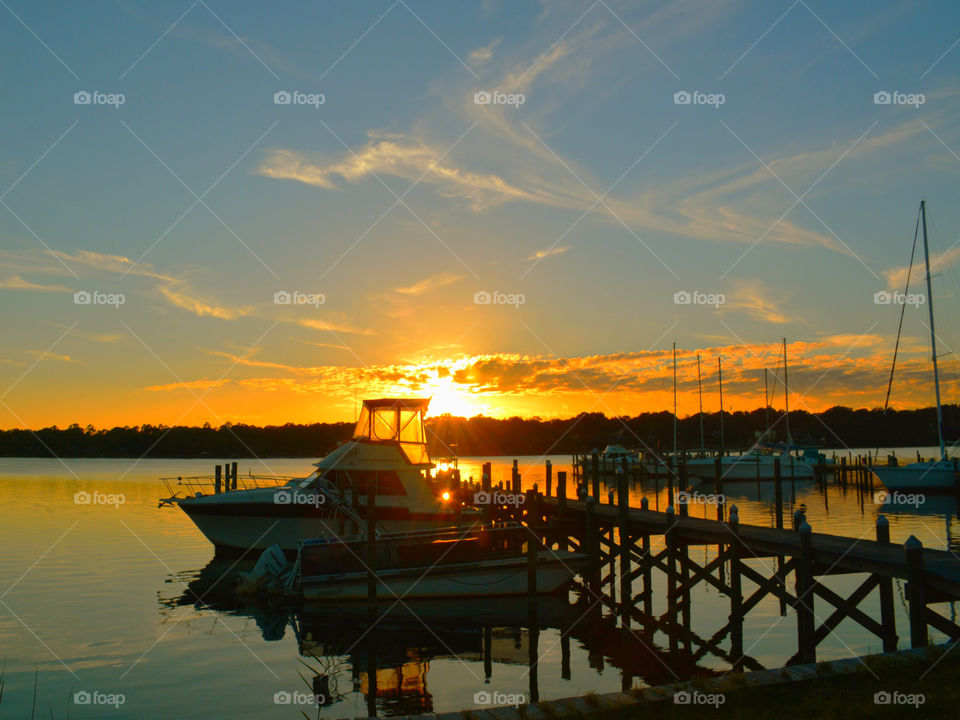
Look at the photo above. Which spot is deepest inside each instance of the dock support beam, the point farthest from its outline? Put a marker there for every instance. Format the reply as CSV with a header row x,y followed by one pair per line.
x,y
915,592
736,594
626,545
806,639
885,588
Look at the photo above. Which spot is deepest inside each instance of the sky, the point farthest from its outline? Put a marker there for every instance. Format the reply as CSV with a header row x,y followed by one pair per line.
x,y
250,212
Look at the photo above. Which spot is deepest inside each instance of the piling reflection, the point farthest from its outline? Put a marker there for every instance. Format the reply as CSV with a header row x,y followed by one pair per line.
x,y
388,660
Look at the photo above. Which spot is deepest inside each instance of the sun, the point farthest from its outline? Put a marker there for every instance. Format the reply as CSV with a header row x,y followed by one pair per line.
x,y
447,397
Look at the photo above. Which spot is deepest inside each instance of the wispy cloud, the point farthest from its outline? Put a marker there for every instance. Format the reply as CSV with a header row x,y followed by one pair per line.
x,y
400,156
540,254
46,355
15,282
897,277
754,299
178,296
430,284
334,326
484,53
191,385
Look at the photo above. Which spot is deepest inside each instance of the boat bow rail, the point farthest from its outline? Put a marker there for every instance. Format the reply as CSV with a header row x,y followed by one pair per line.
x,y
194,485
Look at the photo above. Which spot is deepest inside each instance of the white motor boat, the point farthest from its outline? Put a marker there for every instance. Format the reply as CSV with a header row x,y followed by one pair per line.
x,y
388,447
442,564
757,464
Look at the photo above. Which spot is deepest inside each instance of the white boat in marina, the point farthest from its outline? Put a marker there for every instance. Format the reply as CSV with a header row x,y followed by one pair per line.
x,y
757,464
442,564
388,447
939,474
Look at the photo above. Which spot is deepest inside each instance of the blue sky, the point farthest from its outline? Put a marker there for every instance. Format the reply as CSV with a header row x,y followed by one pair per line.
x,y
399,197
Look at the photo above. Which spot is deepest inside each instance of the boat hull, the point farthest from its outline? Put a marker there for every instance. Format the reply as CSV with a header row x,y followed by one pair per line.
x,y
745,469
491,578
259,526
928,477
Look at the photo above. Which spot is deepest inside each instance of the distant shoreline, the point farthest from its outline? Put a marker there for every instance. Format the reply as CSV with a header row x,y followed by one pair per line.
x,y
837,427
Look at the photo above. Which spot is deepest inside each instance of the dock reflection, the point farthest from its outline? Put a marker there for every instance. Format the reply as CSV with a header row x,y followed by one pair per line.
x,y
387,657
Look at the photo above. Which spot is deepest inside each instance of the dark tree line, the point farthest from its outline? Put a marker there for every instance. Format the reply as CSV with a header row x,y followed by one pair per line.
x,y
836,427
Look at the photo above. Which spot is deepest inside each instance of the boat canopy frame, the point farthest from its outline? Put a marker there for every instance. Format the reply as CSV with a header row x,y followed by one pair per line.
x,y
396,421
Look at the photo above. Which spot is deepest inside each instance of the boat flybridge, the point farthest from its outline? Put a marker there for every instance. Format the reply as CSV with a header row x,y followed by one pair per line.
x,y
388,448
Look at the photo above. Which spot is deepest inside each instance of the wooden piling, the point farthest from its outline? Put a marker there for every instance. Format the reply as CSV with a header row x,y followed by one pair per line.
x,y
806,640
233,472
915,592
216,479
548,472
626,545
645,552
372,542
885,588
595,476
670,540
736,593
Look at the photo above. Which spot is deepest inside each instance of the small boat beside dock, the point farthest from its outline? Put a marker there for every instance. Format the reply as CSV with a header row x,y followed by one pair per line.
x,y
441,564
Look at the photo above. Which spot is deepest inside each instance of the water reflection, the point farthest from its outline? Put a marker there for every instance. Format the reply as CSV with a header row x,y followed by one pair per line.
x,y
386,657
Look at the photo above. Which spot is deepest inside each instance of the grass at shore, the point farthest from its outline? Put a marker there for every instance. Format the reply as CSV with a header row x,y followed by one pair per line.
x,y
847,696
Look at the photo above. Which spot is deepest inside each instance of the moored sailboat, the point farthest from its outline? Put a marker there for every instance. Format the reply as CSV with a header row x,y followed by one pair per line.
x,y
940,474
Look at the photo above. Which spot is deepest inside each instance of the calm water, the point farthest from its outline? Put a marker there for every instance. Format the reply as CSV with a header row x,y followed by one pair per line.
x,y
122,599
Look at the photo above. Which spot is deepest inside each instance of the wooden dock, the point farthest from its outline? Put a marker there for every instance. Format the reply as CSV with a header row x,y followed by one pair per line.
x,y
618,539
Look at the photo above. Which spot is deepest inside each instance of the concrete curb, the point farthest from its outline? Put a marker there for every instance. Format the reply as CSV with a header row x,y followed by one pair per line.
x,y
600,704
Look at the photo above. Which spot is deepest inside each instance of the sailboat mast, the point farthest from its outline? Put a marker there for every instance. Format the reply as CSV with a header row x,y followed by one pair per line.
x,y
786,395
700,393
720,380
766,405
933,334
674,400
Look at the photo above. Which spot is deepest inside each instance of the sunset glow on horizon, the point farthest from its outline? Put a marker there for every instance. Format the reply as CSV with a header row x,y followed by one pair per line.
x,y
519,220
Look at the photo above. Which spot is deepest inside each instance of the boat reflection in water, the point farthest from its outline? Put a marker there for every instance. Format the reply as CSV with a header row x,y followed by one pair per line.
x,y
385,653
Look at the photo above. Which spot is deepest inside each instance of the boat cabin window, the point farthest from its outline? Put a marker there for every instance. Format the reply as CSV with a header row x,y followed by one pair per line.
x,y
396,421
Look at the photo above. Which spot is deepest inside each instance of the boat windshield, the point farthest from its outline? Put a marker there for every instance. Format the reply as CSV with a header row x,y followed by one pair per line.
x,y
395,420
